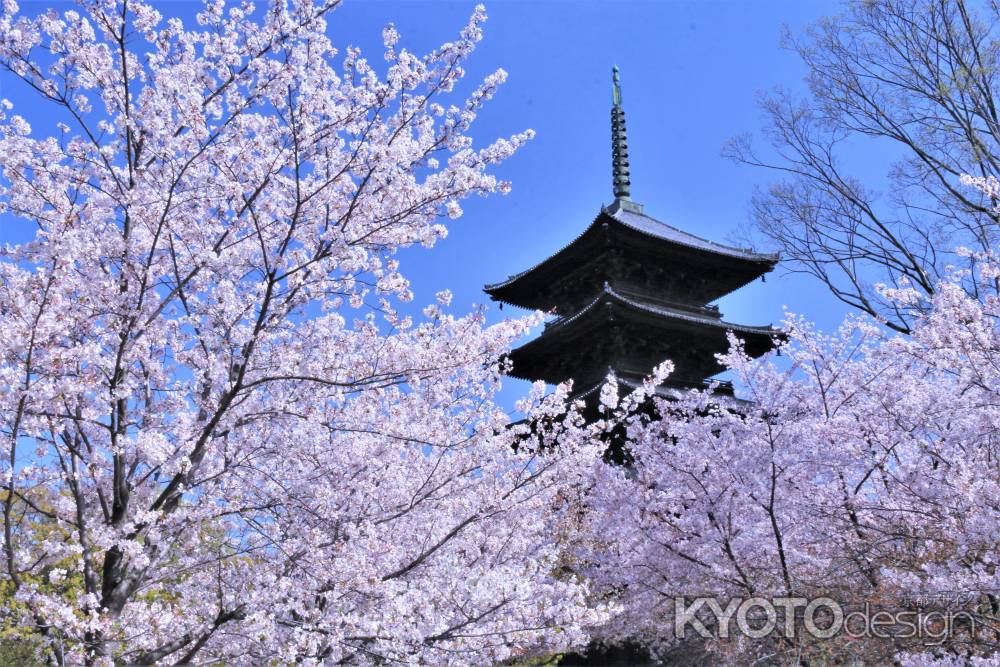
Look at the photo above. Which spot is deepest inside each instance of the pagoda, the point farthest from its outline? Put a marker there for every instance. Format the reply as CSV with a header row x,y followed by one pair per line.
x,y
630,292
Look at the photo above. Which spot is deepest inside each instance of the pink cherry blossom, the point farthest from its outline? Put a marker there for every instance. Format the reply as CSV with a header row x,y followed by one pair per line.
x,y
222,441
861,466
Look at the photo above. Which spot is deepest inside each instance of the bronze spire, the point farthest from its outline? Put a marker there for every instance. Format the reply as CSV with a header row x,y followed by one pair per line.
x,y
619,143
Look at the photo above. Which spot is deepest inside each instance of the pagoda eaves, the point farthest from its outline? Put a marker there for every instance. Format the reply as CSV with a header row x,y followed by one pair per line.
x,y
624,245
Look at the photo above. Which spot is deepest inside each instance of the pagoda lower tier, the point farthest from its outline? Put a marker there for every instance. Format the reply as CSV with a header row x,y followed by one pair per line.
x,y
629,335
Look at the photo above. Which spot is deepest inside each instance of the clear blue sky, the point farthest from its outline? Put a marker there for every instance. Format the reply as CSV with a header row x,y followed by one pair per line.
x,y
691,72
690,75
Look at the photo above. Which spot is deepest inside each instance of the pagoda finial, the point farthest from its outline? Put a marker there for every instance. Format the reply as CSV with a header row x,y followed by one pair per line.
x,y
619,143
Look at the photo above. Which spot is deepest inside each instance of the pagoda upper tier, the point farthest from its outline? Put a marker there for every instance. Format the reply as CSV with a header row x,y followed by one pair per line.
x,y
634,252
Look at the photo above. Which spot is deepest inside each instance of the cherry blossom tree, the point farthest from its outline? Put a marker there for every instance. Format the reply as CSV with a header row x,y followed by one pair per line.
x,y
222,439
865,469
914,80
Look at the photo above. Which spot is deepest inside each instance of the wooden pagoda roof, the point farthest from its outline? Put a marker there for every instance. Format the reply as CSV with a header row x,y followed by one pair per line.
x,y
633,215
624,227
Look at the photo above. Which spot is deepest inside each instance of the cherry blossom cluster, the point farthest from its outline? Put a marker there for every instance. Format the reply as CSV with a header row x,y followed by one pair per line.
x,y
222,440
862,467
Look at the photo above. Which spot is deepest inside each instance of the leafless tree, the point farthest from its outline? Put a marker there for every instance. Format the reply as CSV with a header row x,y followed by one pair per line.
x,y
910,82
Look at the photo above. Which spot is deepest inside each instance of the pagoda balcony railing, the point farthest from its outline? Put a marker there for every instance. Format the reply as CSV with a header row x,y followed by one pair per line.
x,y
708,310
711,311
636,377
722,386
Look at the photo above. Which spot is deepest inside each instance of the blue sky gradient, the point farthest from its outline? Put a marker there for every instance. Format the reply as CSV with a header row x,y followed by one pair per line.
x,y
691,72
